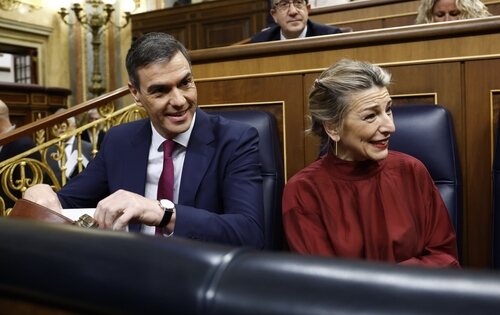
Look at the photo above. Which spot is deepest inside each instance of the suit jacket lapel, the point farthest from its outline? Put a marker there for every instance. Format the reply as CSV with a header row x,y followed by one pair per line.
x,y
199,154
138,158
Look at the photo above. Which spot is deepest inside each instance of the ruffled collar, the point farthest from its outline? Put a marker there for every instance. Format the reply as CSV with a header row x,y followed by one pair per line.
x,y
351,170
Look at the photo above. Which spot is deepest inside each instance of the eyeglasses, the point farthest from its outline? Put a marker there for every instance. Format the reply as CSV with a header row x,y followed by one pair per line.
x,y
284,5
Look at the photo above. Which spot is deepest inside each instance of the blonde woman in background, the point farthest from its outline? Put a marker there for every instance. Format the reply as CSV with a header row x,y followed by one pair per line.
x,y
431,11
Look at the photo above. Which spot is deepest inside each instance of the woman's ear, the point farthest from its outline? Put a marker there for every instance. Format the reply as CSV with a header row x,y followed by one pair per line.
x,y
332,131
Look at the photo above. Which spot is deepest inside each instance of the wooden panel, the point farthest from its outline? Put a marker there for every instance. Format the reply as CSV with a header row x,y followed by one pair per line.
x,y
206,24
482,77
406,99
25,100
369,15
419,42
365,14
277,109
218,34
287,89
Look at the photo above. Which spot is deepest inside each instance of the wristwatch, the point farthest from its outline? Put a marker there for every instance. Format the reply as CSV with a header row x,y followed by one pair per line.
x,y
168,208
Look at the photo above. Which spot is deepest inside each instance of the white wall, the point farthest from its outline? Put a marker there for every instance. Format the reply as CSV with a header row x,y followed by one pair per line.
x,y
7,61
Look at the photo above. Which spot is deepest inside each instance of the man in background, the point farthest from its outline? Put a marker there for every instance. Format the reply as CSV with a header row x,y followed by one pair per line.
x,y
292,19
12,149
71,153
93,115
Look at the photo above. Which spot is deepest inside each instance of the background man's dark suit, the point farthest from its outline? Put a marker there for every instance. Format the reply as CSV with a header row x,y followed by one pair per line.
x,y
313,29
86,152
100,137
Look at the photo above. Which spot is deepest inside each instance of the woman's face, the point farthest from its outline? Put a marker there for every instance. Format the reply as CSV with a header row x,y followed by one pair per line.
x,y
445,10
365,132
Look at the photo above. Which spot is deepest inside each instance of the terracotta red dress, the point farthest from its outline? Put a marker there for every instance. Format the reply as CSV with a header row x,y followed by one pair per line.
x,y
388,210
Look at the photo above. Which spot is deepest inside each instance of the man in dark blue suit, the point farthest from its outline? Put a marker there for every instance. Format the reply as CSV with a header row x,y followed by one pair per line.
x,y
292,19
217,178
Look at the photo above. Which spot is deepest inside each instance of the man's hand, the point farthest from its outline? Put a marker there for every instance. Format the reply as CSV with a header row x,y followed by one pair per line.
x,y
121,207
44,195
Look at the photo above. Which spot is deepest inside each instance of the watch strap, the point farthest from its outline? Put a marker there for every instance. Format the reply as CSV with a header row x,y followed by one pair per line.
x,y
167,215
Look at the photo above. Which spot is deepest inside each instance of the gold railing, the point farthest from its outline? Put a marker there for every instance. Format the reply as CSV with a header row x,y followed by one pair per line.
x,y
50,133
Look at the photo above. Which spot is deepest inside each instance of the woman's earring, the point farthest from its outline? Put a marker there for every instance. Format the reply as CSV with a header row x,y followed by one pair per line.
x,y
336,146
332,144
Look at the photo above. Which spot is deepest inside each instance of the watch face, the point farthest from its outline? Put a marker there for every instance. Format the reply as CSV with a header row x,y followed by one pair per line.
x,y
167,204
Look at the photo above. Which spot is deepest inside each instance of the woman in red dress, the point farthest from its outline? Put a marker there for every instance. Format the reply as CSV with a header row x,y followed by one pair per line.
x,y
360,200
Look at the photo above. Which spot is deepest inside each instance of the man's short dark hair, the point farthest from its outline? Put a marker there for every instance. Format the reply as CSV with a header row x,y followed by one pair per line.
x,y
154,47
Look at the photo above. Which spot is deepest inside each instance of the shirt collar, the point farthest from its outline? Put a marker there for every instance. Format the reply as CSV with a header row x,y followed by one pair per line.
x,y
302,35
70,140
182,139
10,128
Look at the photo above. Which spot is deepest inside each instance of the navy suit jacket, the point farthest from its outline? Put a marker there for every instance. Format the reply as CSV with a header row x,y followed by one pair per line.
x,y
313,29
220,197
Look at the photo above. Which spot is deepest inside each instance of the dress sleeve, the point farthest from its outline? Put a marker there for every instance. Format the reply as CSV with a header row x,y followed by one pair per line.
x,y
302,222
440,247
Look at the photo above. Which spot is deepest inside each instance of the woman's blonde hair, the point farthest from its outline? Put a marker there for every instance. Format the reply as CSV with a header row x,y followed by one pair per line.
x,y
469,9
330,96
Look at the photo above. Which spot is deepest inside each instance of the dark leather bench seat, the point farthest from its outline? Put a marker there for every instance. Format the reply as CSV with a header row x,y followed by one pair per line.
x,y
77,271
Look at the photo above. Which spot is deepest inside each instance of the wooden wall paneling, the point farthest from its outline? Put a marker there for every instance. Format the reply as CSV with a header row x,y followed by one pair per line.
x,y
293,55
394,21
376,14
277,109
482,78
311,141
442,78
206,24
372,13
25,101
283,88
417,98
494,8
361,25
216,34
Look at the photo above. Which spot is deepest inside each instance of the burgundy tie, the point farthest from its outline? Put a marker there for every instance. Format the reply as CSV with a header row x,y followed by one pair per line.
x,y
166,182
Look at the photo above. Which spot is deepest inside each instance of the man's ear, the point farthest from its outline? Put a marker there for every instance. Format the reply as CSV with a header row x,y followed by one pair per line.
x,y
332,131
135,93
273,13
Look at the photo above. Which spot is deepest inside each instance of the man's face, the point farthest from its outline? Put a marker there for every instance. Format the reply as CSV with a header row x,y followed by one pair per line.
x,y
93,116
168,94
291,16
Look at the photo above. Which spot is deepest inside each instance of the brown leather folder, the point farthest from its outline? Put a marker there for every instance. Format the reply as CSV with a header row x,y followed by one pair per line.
x,y
29,210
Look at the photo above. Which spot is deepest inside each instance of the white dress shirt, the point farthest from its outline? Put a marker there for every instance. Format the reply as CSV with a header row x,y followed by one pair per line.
x,y
302,35
155,166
